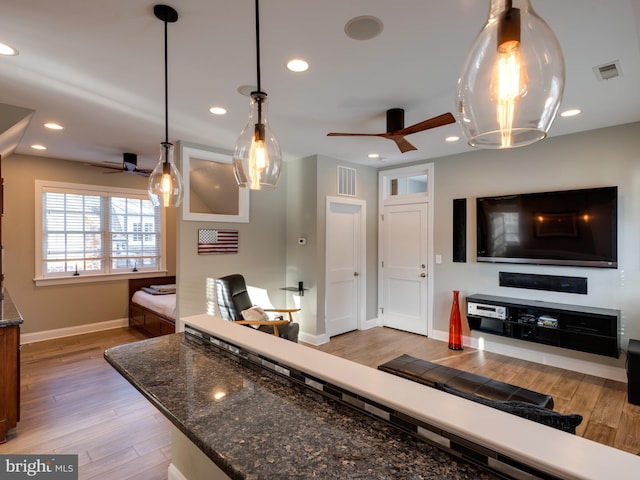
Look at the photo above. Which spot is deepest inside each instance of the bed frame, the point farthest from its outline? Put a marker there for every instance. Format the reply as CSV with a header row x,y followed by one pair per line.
x,y
141,318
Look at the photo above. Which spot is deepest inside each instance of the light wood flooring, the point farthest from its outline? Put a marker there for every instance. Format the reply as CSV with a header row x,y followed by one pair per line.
x,y
607,416
73,401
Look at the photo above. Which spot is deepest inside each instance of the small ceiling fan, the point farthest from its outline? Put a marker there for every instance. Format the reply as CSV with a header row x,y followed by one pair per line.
x,y
396,130
129,165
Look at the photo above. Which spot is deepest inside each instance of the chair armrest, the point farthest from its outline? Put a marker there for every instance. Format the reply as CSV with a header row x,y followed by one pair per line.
x,y
272,323
284,310
261,322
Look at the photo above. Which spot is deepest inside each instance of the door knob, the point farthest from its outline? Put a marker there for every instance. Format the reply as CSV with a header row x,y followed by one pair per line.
x,y
356,274
423,275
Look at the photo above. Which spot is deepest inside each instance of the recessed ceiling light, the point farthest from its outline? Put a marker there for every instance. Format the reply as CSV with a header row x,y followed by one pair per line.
x,y
53,126
452,138
38,147
218,110
373,155
571,113
297,65
8,50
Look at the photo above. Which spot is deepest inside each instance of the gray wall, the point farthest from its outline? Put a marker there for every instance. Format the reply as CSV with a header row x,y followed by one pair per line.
x,y
310,181
591,159
261,256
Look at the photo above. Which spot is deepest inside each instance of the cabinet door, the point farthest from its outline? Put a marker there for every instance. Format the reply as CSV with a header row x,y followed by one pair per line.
x,y
136,316
9,385
152,324
166,327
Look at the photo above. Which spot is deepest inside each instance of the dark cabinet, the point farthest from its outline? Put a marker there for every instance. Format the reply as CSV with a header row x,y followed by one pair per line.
x,y
9,379
576,327
149,322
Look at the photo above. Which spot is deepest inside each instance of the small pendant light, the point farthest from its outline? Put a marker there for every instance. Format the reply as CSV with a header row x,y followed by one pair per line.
x,y
257,159
165,182
513,79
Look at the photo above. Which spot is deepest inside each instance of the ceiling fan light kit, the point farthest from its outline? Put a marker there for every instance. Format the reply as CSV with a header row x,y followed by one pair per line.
x,y
257,158
165,182
512,81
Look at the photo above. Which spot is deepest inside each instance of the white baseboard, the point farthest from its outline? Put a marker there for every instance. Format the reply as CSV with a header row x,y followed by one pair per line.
x,y
545,355
316,340
69,331
372,322
313,339
174,473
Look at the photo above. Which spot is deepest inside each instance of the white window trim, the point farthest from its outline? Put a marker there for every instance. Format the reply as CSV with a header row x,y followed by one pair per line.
x,y
39,280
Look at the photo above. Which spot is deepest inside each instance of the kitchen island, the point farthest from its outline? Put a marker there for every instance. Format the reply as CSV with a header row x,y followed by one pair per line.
x,y
249,405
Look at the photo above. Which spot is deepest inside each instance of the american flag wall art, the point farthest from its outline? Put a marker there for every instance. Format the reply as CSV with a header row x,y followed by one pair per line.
x,y
217,241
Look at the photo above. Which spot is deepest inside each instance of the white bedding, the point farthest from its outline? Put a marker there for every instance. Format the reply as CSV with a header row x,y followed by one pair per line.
x,y
162,304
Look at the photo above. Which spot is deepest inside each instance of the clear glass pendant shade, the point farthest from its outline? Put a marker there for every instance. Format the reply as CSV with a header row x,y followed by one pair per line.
x,y
165,182
257,159
512,82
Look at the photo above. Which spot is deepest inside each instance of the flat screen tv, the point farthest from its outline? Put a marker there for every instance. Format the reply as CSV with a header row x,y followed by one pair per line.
x,y
573,227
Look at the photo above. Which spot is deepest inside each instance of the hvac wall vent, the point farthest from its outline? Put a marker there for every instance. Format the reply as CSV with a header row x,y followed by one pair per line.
x,y
608,71
346,181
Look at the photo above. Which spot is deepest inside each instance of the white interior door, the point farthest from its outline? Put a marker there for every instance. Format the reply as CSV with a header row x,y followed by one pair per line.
x,y
344,305
405,279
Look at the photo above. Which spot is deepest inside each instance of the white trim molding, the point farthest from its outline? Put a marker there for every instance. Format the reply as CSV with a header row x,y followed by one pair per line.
x,y
70,331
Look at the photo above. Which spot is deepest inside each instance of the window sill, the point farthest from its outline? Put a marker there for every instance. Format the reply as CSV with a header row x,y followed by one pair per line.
x,y
86,278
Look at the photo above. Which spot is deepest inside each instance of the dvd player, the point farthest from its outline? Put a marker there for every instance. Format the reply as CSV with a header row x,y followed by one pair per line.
x,y
489,311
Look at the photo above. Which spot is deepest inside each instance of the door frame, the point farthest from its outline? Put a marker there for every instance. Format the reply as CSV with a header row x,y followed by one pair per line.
x,y
384,198
362,257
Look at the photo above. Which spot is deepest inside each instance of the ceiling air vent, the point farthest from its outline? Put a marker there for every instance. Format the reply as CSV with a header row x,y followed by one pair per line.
x,y
608,70
346,181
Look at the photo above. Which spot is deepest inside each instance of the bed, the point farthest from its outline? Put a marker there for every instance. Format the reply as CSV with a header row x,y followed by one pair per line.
x,y
152,305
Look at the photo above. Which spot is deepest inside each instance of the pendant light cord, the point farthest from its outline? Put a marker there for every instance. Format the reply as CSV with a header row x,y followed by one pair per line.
x,y
259,98
166,87
258,45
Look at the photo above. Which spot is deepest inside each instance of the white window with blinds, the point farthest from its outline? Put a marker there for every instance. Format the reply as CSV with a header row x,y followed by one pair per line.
x,y
91,233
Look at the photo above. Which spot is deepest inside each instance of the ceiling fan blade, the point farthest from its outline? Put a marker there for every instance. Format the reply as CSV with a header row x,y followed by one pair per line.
x,y
403,144
439,121
355,134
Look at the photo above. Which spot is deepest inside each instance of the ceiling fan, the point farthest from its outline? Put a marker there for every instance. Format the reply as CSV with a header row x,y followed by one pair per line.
x,y
129,165
396,130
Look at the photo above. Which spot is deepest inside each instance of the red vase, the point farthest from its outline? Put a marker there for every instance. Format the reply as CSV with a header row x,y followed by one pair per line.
x,y
455,324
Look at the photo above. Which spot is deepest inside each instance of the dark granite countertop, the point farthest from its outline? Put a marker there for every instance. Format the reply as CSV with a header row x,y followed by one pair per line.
x,y
9,314
256,424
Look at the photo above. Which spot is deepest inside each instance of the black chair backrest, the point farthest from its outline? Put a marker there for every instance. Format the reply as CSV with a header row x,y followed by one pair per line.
x,y
232,295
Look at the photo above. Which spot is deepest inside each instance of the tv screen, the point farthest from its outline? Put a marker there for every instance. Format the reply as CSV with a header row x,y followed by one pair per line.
x,y
573,227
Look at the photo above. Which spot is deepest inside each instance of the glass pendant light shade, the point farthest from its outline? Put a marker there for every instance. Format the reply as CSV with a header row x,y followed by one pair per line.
x,y
257,159
165,182
512,82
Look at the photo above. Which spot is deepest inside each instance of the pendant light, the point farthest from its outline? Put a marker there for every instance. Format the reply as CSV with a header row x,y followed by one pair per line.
x,y
165,182
257,159
513,79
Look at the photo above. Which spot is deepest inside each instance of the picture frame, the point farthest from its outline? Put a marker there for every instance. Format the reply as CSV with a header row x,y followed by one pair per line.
x,y
211,191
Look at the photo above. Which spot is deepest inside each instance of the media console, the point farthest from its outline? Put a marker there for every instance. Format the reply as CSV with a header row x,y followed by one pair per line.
x,y
576,327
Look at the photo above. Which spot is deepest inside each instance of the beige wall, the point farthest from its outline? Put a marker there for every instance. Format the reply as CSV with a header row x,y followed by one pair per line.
x,y
58,306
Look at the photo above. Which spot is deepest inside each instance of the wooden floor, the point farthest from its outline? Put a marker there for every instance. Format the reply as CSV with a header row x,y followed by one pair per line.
x,y
608,417
73,401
